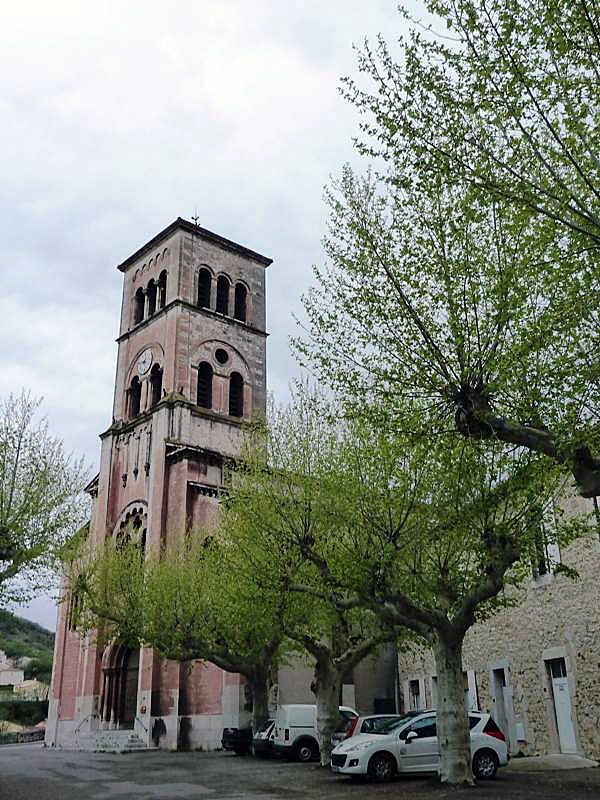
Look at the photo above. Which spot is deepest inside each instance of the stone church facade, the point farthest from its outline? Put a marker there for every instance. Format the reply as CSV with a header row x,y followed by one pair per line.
x,y
191,371
534,666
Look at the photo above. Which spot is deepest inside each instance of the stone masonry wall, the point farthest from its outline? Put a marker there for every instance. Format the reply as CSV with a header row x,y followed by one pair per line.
x,y
556,617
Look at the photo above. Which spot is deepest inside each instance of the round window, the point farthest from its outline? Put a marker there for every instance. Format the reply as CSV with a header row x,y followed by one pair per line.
x,y
221,356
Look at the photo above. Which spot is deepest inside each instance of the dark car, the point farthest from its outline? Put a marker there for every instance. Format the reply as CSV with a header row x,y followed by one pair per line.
x,y
237,739
262,744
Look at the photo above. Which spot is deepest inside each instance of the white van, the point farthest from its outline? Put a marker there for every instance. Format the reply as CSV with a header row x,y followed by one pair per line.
x,y
296,730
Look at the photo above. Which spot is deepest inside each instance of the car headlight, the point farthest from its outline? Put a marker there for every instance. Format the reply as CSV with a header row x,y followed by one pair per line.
x,y
359,746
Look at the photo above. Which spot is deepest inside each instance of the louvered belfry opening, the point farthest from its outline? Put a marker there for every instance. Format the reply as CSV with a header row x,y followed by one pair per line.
x,y
205,380
236,395
135,397
204,286
156,378
241,295
223,294
151,293
138,306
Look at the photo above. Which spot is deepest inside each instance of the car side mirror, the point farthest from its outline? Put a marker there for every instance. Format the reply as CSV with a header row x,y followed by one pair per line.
x,y
410,736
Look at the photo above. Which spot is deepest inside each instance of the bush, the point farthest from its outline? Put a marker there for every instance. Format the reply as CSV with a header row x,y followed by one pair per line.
x,y
24,712
40,668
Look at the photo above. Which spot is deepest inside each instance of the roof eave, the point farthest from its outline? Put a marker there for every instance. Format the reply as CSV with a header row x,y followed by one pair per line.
x,y
203,233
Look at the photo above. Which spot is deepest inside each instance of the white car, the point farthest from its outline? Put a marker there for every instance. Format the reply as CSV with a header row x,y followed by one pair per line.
x,y
373,723
410,745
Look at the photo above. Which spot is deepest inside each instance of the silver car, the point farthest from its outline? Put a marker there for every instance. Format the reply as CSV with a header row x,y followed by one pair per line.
x,y
412,746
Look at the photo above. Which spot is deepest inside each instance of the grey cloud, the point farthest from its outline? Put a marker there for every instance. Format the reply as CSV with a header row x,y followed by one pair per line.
x,y
116,121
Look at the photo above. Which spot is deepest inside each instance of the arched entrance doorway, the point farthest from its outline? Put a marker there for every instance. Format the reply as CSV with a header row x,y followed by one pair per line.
x,y
118,703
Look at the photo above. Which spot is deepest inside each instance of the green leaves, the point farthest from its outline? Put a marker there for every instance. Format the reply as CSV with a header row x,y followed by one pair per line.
x,y
41,499
461,272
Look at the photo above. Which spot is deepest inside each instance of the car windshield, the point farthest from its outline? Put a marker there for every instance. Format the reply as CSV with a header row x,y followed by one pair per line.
x,y
266,726
391,724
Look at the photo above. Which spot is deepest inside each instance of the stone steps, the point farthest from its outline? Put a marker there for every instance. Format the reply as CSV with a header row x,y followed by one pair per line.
x,y
111,742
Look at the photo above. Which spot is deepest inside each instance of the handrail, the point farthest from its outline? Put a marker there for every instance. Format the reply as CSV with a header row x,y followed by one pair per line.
x,y
137,719
76,733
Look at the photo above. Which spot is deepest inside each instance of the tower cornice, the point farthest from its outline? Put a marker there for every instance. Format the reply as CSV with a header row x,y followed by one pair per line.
x,y
191,307
202,233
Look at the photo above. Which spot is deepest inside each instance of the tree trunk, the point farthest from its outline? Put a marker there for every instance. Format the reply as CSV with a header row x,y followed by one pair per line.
x,y
259,684
327,690
452,719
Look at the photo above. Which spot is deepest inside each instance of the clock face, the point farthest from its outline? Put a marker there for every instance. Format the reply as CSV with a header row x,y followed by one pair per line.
x,y
145,362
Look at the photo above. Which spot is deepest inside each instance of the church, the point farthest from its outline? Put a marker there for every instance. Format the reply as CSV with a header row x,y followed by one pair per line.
x,y
191,371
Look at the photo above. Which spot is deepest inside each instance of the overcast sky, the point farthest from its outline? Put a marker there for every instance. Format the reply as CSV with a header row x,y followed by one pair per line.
x,y
117,117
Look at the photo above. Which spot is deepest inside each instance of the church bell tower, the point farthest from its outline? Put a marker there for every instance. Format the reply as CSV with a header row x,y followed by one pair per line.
x,y
190,374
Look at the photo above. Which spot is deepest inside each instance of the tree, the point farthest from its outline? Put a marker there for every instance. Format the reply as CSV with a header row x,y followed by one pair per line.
x,y
40,668
433,535
245,595
464,274
41,501
201,602
281,501
191,602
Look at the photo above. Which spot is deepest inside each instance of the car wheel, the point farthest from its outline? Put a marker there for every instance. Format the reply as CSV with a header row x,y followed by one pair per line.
x,y
305,751
485,764
382,768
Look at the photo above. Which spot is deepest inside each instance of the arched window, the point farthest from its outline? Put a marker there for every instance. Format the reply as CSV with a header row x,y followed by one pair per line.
x,y
151,293
135,396
162,289
223,294
156,377
204,285
138,306
133,528
240,302
236,395
205,379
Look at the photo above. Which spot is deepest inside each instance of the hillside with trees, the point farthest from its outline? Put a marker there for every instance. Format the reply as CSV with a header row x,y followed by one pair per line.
x,y
19,637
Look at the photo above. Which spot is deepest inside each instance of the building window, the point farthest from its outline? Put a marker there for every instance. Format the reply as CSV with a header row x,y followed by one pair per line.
x,y
162,289
545,551
240,302
204,286
236,395
205,381
156,377
414,695
221,355
223,294
135,397
151,295
557,667
133,528
138,306
434,691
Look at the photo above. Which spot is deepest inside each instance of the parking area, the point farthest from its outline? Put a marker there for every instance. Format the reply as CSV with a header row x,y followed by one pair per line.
x,y
29,772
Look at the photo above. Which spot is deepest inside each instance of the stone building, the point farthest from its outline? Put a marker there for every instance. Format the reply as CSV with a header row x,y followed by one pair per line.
x,y
535,666
9,673
190,372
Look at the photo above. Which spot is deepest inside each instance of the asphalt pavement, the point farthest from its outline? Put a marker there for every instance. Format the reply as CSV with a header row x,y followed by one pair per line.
x,y
30,772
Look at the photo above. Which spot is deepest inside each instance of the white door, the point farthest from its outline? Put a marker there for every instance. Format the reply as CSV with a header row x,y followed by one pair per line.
x,y
419,754
562,705
500,715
